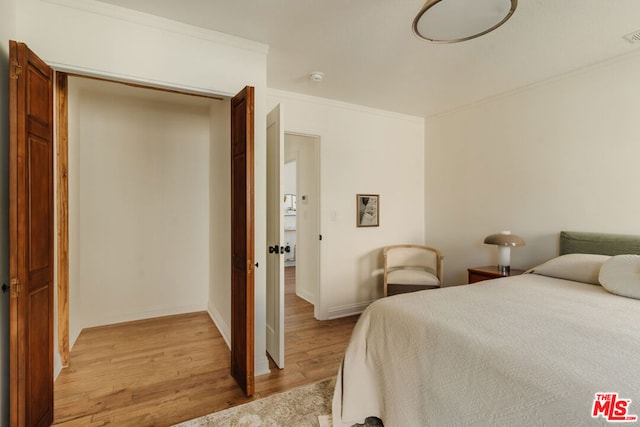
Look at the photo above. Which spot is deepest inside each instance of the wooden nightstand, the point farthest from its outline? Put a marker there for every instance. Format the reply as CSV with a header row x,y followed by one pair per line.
x,y
478,274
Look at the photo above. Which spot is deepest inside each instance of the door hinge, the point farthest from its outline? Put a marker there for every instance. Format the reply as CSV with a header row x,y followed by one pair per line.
x,y
16,287
16,70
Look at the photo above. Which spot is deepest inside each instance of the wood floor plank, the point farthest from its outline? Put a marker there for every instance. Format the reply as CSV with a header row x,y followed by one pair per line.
x,y
158,372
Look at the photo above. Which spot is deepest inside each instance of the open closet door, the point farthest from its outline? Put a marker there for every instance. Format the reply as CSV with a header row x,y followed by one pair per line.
x,y
242,240
30,238
275,237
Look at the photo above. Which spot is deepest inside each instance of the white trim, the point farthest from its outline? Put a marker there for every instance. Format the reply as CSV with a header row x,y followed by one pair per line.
x,y
307,296
261,362
222,326
148,20
124,78
316,136
531,86
277,93
141,315
57,364
317,154
261,366
347,310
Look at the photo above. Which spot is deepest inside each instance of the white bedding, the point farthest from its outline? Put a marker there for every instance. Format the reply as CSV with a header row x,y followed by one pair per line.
x,y
524,351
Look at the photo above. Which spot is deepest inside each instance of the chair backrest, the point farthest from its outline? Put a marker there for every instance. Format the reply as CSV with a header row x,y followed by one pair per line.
x,y
413,256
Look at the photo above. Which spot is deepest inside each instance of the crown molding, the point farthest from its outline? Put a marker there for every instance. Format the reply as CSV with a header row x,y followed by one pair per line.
x,y
540,83
157,22
294,96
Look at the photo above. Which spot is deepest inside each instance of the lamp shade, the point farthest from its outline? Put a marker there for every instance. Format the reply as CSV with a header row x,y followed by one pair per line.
x,y
504,238
449,21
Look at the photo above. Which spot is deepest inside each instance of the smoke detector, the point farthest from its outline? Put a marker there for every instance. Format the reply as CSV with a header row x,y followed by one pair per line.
x,y
316,76
632,37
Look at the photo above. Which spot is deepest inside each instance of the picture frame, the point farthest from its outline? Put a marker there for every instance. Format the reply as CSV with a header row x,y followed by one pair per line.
x,y
367,210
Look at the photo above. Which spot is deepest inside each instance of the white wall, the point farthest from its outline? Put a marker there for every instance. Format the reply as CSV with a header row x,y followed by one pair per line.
x,y
219,304
561,155
289,175
93,37
362,150
143,204
7,32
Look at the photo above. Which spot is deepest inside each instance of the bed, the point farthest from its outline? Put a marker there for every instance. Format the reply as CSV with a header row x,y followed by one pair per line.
x,y
528,350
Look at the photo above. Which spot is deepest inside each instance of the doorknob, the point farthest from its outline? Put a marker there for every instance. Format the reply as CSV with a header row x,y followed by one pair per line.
x,y
5,288
279,250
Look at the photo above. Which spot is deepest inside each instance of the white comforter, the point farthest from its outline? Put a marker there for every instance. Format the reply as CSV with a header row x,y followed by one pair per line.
x,y
524,351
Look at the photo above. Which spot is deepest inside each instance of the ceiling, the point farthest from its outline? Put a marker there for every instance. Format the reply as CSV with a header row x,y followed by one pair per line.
x,y
370,56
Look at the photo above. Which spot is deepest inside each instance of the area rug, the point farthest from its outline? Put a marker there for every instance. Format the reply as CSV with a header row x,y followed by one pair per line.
x,y
306,406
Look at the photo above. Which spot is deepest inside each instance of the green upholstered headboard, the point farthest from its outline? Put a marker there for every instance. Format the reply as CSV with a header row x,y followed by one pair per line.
x,y
572,242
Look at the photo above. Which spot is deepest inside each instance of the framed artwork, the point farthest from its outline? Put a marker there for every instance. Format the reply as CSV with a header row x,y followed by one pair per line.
x,y
367,210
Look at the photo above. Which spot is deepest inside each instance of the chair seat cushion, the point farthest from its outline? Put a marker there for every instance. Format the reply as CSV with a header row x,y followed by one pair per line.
x,y
408,276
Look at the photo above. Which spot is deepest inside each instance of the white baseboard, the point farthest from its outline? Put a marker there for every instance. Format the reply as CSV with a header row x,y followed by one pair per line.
x,y
57,364
306,295
140,315
261,366
261,362
222,326
347,310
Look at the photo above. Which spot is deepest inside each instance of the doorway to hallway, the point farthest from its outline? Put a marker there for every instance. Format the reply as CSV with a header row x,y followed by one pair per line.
x,y
293,228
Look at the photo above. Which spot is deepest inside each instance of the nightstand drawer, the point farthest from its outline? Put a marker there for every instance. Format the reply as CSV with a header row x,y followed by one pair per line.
x,y
478,274
475,277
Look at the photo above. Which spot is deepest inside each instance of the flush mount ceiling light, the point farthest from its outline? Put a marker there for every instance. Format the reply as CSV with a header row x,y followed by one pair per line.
x,y
450,21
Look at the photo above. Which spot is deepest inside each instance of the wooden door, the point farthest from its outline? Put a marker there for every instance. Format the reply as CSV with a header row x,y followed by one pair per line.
x,y
275,237
242,240
31,238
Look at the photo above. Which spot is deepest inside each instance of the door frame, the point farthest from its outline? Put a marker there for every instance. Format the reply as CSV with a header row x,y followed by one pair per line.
x,y
316,136
61,190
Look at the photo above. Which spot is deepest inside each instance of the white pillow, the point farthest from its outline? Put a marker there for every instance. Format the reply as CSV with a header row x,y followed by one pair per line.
x,y
577,267
621,275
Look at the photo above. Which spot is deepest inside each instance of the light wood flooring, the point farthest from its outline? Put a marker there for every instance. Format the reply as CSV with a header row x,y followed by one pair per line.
x,y
162,371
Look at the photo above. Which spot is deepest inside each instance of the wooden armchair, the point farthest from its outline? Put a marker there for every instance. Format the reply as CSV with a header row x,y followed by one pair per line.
x,y
409,268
